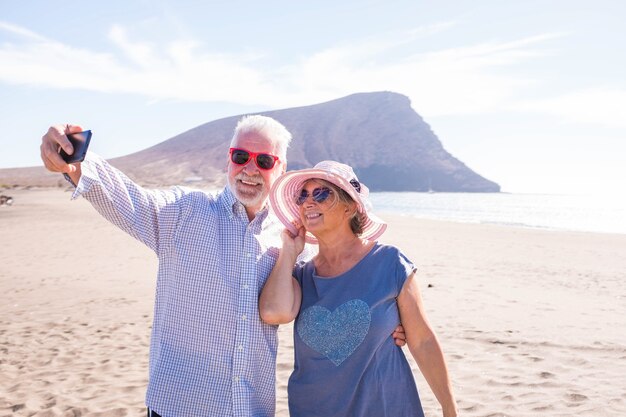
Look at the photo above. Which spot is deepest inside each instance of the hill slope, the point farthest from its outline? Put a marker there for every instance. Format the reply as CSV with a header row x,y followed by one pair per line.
x,y
389,145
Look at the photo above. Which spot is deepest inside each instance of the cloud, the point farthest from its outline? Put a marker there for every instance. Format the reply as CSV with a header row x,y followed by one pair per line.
x,y
470,79
20,31
601,106
173,71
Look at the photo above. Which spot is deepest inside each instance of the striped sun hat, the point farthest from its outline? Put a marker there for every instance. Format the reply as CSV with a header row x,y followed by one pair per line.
x,y
288,186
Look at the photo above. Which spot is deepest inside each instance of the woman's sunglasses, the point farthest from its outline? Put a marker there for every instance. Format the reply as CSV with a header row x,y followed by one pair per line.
x,y
319,195
262,160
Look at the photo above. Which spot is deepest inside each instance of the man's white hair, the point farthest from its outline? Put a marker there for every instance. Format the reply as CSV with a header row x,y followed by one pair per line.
x,y
268,127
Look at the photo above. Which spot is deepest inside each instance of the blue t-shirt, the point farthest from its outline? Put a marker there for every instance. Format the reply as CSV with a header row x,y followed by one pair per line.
x,y
346,362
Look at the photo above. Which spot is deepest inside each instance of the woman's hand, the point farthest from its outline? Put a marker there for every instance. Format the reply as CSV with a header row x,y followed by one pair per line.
x,y
293,244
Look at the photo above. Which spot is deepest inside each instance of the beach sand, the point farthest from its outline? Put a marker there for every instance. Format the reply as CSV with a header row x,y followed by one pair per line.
x,y
533,323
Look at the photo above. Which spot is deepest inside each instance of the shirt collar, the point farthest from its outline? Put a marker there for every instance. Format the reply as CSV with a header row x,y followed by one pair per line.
x,y
234,206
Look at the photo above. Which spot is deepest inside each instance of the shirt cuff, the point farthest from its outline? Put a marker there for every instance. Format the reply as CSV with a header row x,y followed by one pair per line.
x,y
87,171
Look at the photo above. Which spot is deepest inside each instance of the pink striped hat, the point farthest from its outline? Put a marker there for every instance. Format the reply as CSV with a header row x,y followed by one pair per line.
x,y
288,186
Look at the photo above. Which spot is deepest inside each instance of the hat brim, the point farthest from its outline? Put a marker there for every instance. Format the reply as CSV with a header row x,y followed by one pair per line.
x,y
283,204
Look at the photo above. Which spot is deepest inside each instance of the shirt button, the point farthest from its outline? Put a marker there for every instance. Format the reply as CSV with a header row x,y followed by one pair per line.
x,y
236,379
243,317
249,255
240,347
245,286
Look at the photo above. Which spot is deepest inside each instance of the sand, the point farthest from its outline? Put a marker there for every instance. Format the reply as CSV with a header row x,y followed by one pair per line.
x,y
533,323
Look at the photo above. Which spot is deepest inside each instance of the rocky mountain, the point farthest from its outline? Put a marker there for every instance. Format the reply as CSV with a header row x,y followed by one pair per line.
x,y
389,145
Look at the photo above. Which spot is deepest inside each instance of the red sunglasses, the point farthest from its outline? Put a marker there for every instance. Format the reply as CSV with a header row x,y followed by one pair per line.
x,y
262,160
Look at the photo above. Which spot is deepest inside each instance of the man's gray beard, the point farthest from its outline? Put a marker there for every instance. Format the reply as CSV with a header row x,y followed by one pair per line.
x,y
247,199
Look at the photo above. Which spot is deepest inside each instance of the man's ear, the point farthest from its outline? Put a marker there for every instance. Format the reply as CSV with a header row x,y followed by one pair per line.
x,y
227,160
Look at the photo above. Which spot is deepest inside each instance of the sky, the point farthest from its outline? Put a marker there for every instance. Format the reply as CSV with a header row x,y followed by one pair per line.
x,y
529,94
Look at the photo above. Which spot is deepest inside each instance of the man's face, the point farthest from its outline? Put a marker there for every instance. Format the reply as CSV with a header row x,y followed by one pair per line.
x,y
249,183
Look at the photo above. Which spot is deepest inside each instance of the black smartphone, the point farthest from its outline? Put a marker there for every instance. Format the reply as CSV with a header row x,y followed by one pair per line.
x,y
80,142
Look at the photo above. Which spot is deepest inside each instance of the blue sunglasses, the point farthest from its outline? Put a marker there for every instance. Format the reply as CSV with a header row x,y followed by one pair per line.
x,y
319,195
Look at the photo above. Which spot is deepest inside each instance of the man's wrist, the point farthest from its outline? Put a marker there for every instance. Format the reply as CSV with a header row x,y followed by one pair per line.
x,y
69,179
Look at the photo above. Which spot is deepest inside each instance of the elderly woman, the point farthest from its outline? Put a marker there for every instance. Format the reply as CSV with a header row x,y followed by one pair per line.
x,y
347,301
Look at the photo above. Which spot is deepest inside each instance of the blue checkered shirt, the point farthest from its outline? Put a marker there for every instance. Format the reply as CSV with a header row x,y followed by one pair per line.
x,y
210,353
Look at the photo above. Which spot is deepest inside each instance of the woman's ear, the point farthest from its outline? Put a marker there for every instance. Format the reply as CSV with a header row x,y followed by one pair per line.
x,y
351,209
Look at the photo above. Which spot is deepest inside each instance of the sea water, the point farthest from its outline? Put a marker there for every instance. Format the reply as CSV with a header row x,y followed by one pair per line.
x,y
586,213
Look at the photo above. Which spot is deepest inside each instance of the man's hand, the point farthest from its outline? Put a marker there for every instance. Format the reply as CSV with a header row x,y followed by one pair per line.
x,y
399,336
51,142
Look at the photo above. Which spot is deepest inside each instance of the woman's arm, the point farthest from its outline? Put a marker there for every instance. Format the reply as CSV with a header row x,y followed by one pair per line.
x,y
281,295
424,345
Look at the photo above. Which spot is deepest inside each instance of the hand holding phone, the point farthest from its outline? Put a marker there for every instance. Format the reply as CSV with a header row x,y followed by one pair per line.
x,y
80,143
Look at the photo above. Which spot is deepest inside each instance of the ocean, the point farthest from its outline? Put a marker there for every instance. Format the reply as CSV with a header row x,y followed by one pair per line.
x,y
598,213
